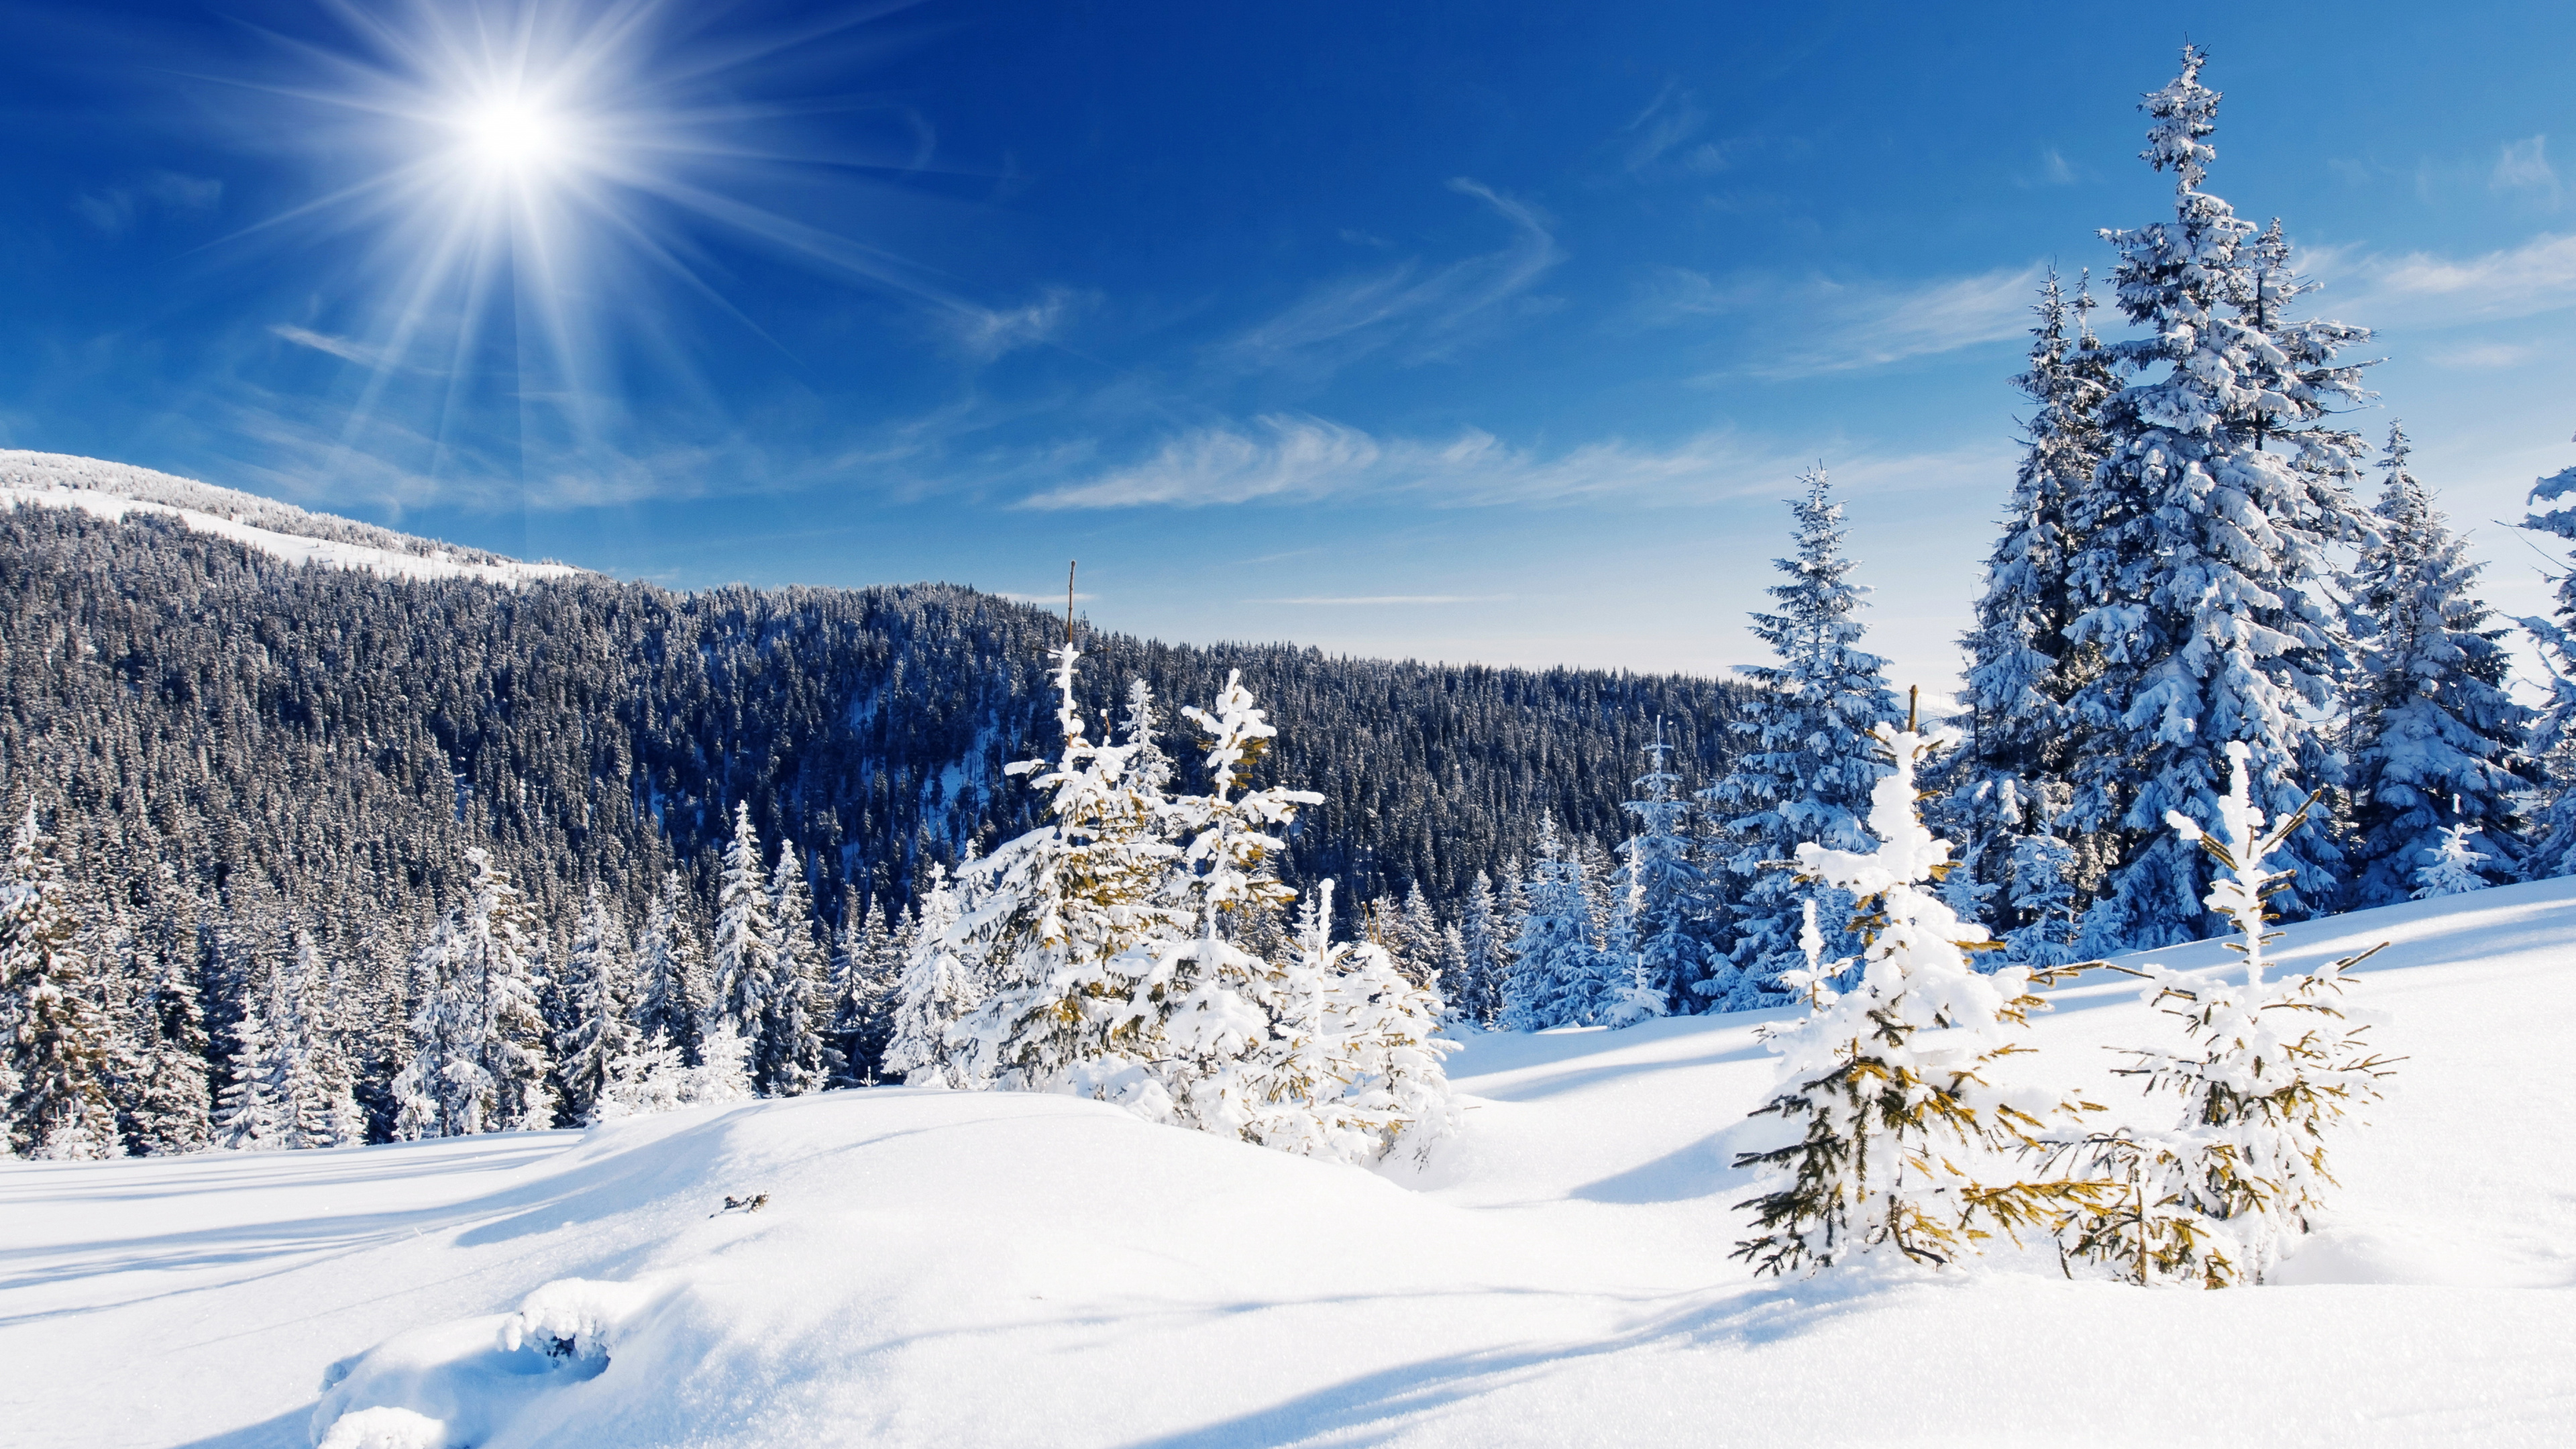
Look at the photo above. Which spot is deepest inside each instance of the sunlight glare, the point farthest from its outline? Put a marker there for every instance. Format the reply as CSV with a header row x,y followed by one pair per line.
x,y
513,134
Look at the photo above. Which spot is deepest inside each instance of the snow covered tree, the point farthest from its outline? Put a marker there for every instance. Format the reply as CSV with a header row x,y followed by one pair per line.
x,y
478,1055
2010,777
1484,935
1068,916
867,980
173,1111
2436,738
789,1056
2200,557
2273,1065
1559,975
1810,764
292,1086
1353,1069
1882,1083
59,1040
2552,744
2043,899
747,982
1659,885
936,993
2453,868
599,990
670,970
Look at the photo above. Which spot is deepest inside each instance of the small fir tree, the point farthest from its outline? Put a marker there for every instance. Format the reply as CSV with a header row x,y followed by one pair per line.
x,y
1486,939
789,1055
1883,1083
937,992
478,1058
1560,974
670,970
2455,867
599,990
2273,1065
747,984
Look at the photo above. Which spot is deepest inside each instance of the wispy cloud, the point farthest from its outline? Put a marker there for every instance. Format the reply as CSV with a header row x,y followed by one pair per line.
x,y
2524,166
346,349
115,210
1387,601
985,333
1842,326
1663,138
2483,356
1420,312
2420,289
2054,170
1297,457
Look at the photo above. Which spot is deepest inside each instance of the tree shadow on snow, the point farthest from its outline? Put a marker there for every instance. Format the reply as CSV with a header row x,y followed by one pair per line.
x,y
290,1430
1383,1404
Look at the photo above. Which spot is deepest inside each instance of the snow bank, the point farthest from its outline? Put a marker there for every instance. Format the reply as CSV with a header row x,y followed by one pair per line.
x,y
281,530
975,1268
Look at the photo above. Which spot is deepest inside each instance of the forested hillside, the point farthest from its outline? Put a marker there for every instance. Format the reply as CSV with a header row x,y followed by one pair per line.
x,y
235,750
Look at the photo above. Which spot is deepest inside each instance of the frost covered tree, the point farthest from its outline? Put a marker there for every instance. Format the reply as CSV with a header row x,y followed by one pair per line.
x,y
2273,1065
599,991
1560,974
1067,917
2436,737
2454,867
2009,779
1809,763
867,981
1353,1069
670,970
59,1040
789,1055
478,1054
2200,566
747,982
1882,1084
1484,937
173,1109
936,993
2552,744
1660,887
292,1086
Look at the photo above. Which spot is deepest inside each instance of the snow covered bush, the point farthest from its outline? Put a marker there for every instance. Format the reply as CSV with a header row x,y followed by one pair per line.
x,y
1883,1082
2452,868
2272,1065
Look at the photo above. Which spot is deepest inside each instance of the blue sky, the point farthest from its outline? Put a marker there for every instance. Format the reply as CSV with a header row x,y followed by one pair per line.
x,y
1474,332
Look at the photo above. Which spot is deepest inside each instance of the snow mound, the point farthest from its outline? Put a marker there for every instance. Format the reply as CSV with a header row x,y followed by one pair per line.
x,y
944,1268
115,490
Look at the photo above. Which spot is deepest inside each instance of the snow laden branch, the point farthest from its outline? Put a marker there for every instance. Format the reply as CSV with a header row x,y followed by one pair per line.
x,y
2214,1200
1884,1080
1133,951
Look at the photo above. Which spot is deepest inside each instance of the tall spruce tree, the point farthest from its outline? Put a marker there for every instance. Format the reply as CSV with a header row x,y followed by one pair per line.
x,y
1806,774
789,1054
2010,778
59,1041
745,957
2200,565
598,985
1485,939
1561,976
2436,739
670,970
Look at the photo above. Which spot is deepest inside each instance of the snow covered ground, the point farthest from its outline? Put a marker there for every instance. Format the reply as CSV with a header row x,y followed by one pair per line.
x,y
952,1269
281,530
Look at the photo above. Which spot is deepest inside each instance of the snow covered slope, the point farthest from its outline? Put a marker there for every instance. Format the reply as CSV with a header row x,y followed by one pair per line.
x,y
113,490
952,1269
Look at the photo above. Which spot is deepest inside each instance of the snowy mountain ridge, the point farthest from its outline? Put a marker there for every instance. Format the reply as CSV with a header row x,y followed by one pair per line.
x,y
943,1268
280,530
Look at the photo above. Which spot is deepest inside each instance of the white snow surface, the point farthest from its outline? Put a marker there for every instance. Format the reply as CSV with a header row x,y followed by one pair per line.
x,y
950,1268
115,490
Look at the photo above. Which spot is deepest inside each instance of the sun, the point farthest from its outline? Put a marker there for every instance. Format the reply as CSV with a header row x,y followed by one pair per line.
x,y
513,135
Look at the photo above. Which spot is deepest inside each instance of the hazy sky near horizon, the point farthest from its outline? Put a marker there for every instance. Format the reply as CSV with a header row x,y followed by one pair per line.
x,y
1473,332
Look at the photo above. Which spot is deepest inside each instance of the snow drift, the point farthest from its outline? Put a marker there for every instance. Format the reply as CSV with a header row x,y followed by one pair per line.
x,y
935,1267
